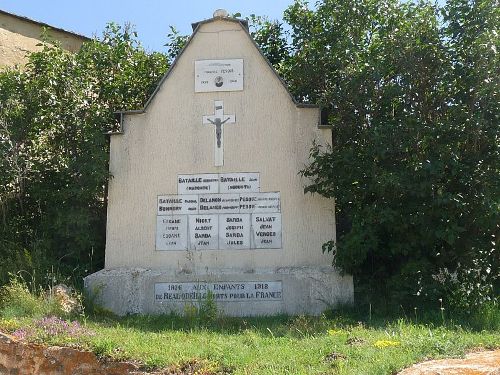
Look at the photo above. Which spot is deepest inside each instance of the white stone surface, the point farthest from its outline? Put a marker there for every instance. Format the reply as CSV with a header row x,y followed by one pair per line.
x,y
234,231
304,289
260,202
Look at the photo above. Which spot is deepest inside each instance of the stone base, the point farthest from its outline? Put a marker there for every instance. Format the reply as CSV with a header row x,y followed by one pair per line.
x,y
295,290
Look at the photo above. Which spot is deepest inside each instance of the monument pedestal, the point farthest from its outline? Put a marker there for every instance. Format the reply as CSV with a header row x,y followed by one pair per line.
x,y
257,292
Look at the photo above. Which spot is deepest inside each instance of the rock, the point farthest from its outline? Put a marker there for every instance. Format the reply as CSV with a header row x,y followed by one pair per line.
x,y
24,358
481,363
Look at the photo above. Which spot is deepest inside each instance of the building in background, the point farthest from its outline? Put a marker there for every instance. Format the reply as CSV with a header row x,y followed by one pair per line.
x,y
20,36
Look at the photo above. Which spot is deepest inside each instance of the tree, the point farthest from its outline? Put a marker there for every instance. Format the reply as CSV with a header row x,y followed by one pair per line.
x,y
53,116
412,91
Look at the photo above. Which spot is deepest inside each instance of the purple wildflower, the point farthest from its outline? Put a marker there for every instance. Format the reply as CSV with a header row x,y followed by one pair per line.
x,y
22,333
53,326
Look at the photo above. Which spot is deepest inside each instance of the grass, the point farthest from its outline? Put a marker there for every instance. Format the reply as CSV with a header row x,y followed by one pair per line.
x,y
277,345
338,343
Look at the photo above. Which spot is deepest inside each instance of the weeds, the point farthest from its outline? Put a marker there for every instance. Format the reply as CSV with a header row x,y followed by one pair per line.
x,y
16,300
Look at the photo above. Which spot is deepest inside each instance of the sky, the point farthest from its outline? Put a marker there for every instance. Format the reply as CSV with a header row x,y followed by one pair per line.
x,y
151,18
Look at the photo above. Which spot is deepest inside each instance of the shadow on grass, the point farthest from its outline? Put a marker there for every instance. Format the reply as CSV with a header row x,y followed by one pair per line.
x,y
302,326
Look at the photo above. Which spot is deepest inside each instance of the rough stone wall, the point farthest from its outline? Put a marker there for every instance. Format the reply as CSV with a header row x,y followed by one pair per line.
x,y
19,37
23,359
14,48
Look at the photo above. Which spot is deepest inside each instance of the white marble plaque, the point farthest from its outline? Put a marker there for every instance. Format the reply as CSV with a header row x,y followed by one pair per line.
x,y
239,182
266,231
260,202
203,232
237,291
171,232
198,183
177,204
218,203
218,75
234,231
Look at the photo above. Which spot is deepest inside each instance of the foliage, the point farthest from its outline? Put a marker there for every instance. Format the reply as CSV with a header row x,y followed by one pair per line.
x,y
412,90
208,310
176,42
203,313
271,38
53,151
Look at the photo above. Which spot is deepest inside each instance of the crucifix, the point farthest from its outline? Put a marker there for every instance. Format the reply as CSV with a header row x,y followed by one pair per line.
x,y
218,119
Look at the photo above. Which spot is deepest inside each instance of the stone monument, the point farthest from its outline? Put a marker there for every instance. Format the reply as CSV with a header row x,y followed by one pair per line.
x,y
205,196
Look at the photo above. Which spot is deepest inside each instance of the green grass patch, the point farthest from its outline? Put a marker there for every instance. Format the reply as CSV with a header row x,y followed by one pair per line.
x,y
275,345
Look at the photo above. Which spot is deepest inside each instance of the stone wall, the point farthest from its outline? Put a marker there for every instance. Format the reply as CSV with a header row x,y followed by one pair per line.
x,y
20,36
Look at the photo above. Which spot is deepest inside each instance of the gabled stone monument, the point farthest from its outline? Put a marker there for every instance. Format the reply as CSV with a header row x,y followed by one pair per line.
x,y
205,194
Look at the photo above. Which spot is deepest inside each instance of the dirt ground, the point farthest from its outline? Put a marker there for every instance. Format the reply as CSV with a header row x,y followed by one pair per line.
x,y
480,363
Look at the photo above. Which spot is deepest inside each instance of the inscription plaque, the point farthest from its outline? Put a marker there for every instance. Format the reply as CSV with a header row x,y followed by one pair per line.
x,y
239,182
260,202
177,204
198,183
218,75
234,231
219,203
205,183
203,232
171,232
221,291
266,231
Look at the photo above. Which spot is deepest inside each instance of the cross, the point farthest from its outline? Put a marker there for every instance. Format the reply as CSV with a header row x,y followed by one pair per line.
x,y
218,119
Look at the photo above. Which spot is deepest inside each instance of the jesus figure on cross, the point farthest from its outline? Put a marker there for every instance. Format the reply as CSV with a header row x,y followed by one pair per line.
x,y
218,128
218,119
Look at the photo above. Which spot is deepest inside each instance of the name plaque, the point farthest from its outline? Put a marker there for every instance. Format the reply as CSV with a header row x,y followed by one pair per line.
x,y
234,232
221,291
239,182
198,183
177,204
218,75
205,183
219,203
171,232
204,232
260,202
233,215
266,231
219,232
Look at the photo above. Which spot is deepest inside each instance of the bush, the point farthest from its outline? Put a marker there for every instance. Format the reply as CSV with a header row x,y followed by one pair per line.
x,y
412,91
54,154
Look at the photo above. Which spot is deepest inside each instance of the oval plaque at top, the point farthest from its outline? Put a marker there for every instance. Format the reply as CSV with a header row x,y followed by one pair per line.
x,y
218,75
